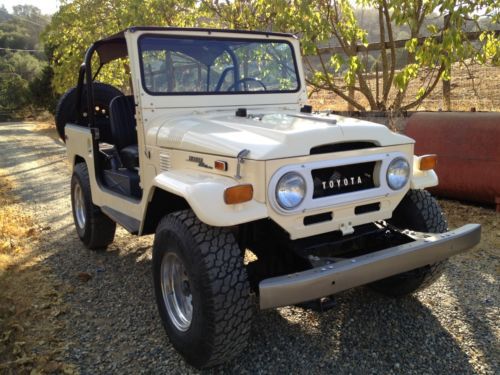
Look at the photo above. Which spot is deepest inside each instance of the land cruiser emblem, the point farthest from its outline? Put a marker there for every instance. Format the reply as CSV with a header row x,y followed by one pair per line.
x,y
201,163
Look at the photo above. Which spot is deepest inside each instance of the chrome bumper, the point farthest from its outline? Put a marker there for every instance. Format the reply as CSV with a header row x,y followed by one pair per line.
x,y
333,278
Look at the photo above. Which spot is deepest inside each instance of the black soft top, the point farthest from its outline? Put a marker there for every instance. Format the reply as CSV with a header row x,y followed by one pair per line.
x,y
115,47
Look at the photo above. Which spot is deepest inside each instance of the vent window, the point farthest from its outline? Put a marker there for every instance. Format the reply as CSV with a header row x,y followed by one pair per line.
x,y
339,147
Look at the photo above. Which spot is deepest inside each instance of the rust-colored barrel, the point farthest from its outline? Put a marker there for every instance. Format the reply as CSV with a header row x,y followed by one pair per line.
x,y
468,149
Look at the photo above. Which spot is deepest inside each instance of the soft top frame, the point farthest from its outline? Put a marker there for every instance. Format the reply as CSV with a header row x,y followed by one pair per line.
x,y
115,47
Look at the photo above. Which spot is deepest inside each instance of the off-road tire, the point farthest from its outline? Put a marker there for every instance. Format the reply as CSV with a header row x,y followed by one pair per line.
x,y
418,211
98,230
66,107
221,301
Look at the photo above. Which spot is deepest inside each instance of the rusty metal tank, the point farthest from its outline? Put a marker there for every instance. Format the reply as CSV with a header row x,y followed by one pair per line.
x,y
468,149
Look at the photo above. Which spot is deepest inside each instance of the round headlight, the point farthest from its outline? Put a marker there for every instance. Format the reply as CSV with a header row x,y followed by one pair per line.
x,y
291,190
398,173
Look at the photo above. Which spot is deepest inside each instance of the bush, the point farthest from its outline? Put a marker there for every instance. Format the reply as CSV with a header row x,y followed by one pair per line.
x,y
41,92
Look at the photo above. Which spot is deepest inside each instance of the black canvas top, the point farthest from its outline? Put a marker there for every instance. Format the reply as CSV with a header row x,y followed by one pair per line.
x,y
115,47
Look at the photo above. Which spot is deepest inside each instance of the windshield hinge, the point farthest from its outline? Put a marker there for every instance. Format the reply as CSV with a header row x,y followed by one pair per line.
x,y
241,155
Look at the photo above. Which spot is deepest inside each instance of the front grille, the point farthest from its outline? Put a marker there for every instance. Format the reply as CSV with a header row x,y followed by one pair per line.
x,y
343,179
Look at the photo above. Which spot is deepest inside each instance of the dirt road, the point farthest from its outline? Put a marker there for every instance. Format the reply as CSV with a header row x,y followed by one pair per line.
x,y
112,326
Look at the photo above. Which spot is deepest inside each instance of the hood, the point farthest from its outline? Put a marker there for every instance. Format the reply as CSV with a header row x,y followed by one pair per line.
x,y
267,135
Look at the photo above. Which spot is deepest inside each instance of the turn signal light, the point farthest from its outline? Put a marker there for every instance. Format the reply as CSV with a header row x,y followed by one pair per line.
x,y
428,162
238,194
220,165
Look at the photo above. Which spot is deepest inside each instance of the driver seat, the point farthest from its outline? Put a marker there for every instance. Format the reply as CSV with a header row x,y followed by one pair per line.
x,y
123,130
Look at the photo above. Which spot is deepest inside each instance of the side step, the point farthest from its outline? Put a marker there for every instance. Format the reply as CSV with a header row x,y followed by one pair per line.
x,y
129,223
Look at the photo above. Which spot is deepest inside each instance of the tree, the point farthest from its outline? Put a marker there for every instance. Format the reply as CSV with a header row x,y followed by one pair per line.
x,y
21,69
327,22
29,21
79,23
14,93
24,65
42,94
4,14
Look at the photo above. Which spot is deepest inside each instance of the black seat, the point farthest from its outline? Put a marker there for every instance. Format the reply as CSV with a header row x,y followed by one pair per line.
x,y
123,130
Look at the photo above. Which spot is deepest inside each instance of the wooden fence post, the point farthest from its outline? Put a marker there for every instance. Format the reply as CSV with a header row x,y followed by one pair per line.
x,y
447,95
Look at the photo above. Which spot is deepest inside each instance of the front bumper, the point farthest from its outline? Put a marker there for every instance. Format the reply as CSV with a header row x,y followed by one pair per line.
x,y
333,278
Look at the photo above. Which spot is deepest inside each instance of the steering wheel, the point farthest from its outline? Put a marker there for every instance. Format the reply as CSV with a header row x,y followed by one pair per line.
x,y
246,79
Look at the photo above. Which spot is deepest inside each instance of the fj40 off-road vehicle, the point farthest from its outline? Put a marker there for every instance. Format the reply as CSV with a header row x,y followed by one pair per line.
x,y
253,199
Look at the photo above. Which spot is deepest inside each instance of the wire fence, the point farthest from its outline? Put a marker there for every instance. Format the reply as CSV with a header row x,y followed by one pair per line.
x,y
473,86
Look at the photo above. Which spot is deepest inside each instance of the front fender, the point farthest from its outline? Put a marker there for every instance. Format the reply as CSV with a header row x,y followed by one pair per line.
x,y
205,194
422,179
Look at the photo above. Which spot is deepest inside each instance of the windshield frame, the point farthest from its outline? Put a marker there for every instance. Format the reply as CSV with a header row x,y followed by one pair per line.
x,y
214,93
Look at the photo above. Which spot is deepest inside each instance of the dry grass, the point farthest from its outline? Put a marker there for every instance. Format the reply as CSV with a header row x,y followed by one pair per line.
x,y
47,128
463,213
30,302
14,226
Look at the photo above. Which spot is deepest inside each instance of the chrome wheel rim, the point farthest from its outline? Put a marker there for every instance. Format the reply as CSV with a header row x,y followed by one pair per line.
x,y
176,292
79,204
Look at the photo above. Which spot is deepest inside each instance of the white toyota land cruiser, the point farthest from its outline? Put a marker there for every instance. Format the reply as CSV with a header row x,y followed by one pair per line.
x,y
252,197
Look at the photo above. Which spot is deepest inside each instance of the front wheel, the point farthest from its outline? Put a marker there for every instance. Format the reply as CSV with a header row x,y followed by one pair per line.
x,y
201,289
418,211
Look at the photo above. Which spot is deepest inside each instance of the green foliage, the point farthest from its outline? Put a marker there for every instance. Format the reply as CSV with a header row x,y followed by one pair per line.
x,y
22,71
85,21
14,93
21,29
446,24
42,94
4,15
23,64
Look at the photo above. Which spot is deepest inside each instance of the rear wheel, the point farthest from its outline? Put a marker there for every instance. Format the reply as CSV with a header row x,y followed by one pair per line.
x,y
201,289
95,229
418,211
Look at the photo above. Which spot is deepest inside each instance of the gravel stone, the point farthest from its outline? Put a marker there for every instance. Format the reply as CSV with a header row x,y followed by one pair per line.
x,y
112,325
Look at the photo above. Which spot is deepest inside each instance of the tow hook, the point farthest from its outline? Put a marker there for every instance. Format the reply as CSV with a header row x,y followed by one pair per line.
x,y
319,305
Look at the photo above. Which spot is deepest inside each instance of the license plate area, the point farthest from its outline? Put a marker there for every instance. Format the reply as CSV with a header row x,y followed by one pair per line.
x,y
343,179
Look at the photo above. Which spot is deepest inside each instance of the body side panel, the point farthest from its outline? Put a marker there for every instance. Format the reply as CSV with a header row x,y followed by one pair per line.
x,y
79,143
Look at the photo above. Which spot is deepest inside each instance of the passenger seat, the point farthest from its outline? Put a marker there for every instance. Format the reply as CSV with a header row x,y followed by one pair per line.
x,y
123,130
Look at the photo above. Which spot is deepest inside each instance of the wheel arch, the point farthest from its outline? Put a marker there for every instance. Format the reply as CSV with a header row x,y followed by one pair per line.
x,y
78,159
204,194
161,203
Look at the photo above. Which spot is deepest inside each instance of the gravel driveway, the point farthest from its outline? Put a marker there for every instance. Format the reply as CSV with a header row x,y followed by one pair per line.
x,y
112,325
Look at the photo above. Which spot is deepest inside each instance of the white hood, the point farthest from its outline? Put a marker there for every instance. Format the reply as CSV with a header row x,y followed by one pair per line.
x,y
267,136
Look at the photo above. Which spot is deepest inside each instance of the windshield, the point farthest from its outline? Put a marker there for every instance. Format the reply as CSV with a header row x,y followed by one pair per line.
x,y
179,65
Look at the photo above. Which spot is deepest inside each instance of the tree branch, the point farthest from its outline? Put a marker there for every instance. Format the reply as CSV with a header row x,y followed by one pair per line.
x,y
343,96
383,55
427,91
393,50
